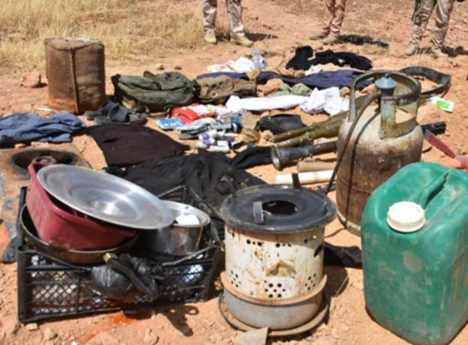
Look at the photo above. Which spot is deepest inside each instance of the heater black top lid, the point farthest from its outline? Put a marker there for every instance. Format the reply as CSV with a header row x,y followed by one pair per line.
x,y
278,209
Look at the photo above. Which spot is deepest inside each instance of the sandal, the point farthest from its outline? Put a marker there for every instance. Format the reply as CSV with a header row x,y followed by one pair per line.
x,y
111,112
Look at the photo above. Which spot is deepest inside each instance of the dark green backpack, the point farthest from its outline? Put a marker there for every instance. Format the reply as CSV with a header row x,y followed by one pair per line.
x,y
157,93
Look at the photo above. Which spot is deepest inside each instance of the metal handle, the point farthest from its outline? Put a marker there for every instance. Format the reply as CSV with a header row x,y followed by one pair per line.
x,y
259,217
406,98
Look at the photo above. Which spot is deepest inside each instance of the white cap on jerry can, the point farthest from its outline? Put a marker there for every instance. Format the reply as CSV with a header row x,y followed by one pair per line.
x,y
406,216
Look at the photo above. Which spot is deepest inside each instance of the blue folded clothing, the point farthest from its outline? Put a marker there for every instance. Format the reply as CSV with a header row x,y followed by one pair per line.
x,y
27,127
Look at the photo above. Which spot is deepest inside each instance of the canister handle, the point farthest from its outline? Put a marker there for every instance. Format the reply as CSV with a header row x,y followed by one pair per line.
x,y
259,217
408,101
432,190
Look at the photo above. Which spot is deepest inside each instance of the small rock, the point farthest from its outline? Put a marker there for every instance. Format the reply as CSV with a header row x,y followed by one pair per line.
x,y
32,327
178,67
31,80
159,67
150,338
49,334
20,146
334,333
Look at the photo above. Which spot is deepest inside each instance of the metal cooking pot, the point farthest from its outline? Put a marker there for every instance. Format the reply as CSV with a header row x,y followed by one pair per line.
x,y
178,240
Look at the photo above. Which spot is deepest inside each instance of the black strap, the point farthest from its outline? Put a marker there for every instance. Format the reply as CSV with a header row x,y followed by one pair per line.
x,y
443,80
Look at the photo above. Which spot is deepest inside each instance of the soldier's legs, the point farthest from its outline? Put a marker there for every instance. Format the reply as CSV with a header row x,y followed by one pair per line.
x,y
420,21
234,9
337,22
328,16
443,12
210,8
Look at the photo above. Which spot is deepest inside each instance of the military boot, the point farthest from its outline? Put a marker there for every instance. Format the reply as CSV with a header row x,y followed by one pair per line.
x,y
412,49
437,53
210,38
331,39
318,36
241,41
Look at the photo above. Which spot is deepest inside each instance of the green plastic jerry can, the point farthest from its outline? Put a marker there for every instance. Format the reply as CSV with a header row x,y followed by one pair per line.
x,y
416,283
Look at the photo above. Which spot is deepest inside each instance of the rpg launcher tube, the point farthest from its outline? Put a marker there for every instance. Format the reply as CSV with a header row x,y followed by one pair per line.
x,y
283,157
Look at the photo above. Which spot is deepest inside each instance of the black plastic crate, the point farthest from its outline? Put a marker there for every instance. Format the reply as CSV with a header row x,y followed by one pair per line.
x,y
49,289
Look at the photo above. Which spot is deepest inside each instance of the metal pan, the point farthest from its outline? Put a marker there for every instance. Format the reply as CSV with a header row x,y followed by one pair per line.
x,y
80,257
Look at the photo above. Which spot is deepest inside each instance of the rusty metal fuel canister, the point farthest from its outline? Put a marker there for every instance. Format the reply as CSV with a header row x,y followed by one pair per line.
x,y
385,138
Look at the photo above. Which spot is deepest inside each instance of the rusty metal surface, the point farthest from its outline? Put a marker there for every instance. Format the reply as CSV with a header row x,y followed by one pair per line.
x,y
273,267
369,161
11,180
386,138
282,302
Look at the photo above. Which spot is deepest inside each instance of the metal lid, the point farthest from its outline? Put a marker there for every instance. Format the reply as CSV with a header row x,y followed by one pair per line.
x,y
278,209
105,197
406,216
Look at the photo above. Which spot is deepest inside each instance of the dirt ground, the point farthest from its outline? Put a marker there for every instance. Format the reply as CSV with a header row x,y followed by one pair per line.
x,y
277,26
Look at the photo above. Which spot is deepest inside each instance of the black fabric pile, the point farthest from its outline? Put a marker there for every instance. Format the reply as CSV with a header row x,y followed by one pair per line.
x,y
302,61
342,59
211,175
280,123
127,145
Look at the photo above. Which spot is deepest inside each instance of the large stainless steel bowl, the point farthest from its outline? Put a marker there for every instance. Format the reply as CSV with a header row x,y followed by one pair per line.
x,y
105,197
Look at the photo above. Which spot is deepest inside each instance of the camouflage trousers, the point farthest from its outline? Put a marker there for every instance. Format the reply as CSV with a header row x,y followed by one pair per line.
x,y
234,9
421,18
334,15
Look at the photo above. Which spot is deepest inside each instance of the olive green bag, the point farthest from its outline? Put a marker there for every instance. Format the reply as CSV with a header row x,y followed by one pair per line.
x,y
156,93
218,90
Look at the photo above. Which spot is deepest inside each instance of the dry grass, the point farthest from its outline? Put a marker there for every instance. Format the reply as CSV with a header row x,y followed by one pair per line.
x,y
132,30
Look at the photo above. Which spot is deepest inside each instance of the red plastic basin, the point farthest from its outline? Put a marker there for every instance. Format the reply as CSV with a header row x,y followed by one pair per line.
x,y
63,227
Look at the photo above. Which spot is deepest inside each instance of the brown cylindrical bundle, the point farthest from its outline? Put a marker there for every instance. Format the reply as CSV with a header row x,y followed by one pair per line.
x,y
306,166
75,71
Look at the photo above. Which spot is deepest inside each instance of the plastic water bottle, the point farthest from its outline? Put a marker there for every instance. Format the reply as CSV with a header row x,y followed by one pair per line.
x,y
258,60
